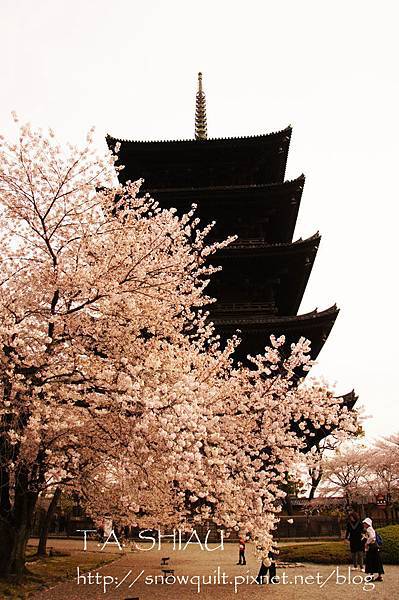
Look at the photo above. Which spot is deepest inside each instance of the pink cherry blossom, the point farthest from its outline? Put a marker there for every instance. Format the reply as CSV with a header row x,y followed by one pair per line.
x,y
114,383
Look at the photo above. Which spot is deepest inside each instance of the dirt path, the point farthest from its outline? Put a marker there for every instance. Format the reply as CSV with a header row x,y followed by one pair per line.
x,y
217,576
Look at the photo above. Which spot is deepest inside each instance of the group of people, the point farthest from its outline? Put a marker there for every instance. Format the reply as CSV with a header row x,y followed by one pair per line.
x,y
364,545
363,541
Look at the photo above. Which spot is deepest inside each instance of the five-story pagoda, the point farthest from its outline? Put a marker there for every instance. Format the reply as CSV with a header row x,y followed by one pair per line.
x,y
240,184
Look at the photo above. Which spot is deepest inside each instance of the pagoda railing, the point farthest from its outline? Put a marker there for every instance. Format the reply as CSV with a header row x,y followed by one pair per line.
x,y
255,242
248,243
247,307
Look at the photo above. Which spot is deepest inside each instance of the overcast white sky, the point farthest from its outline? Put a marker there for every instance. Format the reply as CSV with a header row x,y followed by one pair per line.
x,y
328,68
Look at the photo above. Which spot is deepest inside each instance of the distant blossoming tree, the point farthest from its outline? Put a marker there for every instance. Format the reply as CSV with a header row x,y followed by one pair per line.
x,y
382,479
344,473
362,475
393,439
112,380
314,460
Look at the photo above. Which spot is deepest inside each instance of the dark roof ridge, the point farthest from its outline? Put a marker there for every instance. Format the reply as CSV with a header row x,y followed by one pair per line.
x,y
288,182
260,244
193,140
312,314
267,319
314,236
330,310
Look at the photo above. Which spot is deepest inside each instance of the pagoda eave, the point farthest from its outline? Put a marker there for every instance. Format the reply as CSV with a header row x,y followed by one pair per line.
x,y
348,400
170,164
281,272
239,140
273,207
256,329
255,188
242,248
312,318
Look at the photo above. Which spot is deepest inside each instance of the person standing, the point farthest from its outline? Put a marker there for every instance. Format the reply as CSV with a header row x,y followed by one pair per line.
x,y
241,555
267,574
354,533
373,560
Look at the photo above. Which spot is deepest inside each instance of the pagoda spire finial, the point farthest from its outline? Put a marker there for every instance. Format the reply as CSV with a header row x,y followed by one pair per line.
x,y
200,112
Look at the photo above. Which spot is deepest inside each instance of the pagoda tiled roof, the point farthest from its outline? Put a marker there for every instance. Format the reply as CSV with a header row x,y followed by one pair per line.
x,y
264,247
274,207
285,267
179,163
285,186
349,400
267,319
259,138
255,330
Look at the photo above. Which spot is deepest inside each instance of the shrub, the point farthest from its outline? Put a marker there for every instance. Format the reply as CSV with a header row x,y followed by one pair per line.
x,y
338,553
390,548
331,553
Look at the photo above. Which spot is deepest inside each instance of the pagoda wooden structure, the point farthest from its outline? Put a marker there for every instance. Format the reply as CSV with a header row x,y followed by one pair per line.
x,y
240,183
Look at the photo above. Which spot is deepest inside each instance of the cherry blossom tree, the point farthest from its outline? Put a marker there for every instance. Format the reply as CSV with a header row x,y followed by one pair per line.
x,y
322,450
314,461
362,474
86,277
345,472
382,478
393,439
113,382
244,446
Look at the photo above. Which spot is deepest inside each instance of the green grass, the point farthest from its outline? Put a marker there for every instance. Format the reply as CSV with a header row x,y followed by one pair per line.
x,y
338,553
47,572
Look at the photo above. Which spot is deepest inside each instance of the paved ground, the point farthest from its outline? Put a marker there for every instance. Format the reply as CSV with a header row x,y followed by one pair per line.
x,y
217,576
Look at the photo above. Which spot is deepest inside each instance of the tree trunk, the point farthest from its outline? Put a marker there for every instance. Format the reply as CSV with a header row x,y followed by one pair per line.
x,y
314,486
6,547
13,548
316,476
45,525
15,526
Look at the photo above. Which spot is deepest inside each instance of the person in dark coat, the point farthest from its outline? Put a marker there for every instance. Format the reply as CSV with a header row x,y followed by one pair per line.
x,y
373,555
267,574
354,533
